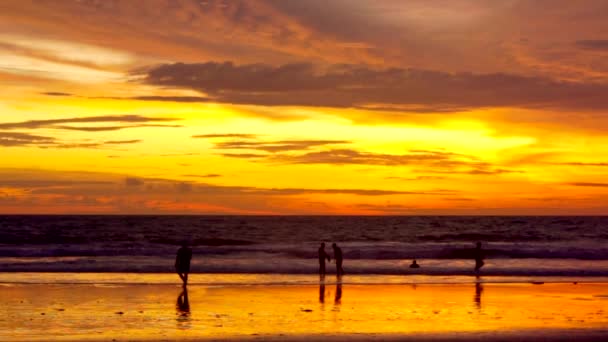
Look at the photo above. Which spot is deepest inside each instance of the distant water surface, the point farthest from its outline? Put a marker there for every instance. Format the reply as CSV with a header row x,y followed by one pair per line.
x,y
544,246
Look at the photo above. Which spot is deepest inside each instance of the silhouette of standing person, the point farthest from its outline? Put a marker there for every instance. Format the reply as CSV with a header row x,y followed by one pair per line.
x,y
478,257
322,256
182,262
338,258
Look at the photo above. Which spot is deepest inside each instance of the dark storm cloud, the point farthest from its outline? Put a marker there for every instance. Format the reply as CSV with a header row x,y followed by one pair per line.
x,y
601,45
361,86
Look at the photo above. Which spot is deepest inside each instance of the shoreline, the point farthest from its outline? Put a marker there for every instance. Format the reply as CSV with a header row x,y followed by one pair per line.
x,y
278,279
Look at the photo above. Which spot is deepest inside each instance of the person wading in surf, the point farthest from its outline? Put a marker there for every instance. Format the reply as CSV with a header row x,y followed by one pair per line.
x,y
338,258
322,256
478,257
182,262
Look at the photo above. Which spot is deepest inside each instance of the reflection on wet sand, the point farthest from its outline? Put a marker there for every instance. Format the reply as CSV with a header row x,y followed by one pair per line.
x,y
41,312
478,291
322,293
183,310
338,298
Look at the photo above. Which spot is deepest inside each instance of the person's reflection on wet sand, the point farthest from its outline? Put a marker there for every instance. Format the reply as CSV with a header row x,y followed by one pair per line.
x,y
478,291
322,293
338,298
183,309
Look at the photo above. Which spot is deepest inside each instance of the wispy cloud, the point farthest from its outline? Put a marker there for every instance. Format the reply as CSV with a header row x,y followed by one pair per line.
x,y
417,178
226,135
351,156
599,45
119,122
276,146
57,93
126,121
434,162
158,98
600,164
209,175
589,184
23,139
121,142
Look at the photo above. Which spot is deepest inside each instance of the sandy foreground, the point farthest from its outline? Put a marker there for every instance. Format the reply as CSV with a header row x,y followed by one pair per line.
x,y
434,312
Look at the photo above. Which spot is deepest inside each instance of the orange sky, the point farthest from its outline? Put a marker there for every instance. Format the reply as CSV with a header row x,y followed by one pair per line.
x,y
304,107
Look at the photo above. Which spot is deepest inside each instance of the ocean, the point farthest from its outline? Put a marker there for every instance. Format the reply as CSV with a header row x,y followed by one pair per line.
x,y
514,246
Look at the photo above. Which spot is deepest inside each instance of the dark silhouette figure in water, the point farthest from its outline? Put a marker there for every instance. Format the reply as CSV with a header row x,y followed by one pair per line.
x,y
322,293
322,256
478,291
414,264
338,298
338,258
182,262
478,257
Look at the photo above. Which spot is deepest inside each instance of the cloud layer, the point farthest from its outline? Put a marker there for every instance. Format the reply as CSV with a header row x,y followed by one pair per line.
x,y
363,86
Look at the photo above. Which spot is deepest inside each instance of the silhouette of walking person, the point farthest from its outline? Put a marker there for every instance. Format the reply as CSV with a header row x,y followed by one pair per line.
x,y
182,262
338,259
322,256
478,257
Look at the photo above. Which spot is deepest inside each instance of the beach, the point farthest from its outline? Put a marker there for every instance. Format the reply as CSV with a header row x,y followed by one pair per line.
x,y
121,307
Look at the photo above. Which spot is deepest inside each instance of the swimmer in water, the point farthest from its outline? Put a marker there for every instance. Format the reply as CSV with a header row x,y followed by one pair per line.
x,y
479,255
414,264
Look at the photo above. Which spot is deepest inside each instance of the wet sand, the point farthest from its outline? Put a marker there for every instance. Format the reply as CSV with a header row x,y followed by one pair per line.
x,y
434,312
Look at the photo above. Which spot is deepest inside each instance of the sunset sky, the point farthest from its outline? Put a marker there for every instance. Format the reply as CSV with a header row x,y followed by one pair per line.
x,y
304,107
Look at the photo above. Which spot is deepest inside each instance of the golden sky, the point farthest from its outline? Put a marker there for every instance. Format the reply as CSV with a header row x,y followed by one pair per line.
x,y
304,107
